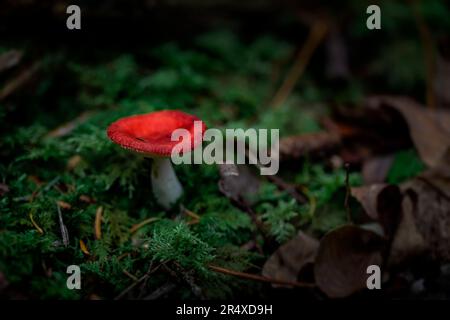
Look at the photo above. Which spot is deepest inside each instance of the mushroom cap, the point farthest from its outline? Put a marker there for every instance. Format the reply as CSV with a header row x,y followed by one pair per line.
x,y
150,133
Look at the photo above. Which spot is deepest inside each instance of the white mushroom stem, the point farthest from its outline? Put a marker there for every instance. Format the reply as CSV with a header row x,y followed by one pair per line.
x,y
167,188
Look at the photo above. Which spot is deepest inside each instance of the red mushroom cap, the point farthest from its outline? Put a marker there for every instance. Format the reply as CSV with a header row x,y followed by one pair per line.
x,y
150,133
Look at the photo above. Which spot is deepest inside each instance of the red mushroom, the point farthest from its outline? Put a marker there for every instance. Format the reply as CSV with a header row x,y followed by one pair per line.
x,y
150,135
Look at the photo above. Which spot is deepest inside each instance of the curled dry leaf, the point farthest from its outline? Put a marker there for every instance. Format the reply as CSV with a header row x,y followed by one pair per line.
x,y
408,241
429,194
238,187
429,129
344,254
295,147
382,203
287,262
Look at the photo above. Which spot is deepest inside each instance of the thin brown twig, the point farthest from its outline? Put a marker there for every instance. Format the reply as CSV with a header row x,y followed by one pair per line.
x,y
136,227
19,80
135,283
347,193
256,277
316,35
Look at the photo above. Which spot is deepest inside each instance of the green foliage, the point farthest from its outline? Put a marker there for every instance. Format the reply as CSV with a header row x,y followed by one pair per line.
x,y
406,165
279,219
175,242
322,184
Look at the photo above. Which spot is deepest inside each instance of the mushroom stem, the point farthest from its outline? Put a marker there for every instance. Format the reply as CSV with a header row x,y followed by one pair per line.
x,y
167,188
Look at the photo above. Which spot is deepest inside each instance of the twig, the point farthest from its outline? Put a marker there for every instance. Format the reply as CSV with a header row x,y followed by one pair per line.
x,y
9,59
38,192
19,80
136,227
135,283
256,277
290,189
189,279
161,291
315,37
276,180
130,275
347,193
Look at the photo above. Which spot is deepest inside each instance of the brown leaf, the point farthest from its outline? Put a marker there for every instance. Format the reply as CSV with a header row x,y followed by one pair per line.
x,y
376,169
342,260
429,129
382,203
429,194
408,241
9,59
238,187
287,262
295,147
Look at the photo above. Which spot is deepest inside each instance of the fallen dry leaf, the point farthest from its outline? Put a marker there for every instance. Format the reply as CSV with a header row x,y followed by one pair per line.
x,y
238,187
408,242
288,260
429,194
382,203
429,129
344,254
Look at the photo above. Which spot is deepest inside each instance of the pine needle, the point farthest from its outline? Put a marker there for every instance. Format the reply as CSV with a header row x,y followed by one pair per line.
x,y
84,248
39,229
98,223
